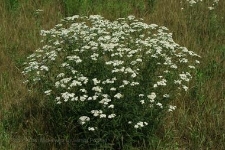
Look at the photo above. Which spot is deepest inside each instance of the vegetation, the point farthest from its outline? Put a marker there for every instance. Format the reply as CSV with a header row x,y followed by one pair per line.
x,y
29,120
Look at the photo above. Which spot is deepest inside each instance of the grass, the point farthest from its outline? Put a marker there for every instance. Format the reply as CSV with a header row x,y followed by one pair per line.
x,y
198,123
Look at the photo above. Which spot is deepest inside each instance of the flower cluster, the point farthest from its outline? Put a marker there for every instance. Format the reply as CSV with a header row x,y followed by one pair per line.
x,y
111,69
213,3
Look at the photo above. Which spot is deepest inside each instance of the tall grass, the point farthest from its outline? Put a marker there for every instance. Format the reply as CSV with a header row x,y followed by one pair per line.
x,y
198,122
113,8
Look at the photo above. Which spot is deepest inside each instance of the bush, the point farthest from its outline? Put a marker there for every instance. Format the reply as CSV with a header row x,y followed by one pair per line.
x,y
114,80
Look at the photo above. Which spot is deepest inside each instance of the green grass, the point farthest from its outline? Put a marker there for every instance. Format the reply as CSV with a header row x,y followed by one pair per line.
x,y
198,123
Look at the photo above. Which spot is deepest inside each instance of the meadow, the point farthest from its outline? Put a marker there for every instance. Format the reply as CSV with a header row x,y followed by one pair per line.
x,y
27,122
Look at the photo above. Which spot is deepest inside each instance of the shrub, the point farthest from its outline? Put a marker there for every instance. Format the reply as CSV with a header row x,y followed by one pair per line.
x,y
114,78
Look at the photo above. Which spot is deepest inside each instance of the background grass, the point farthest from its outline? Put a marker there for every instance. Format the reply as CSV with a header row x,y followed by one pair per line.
x,y
198,123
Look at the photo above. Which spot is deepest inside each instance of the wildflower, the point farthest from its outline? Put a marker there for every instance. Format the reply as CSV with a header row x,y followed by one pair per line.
x,y
118,95
111,116
58,102
84,119
111,106
140,124
102,115
131,17
125,82
91,128
166,95
152,96
97,89
160,105
162,82
43,67
48,92
83,97
94,62
134,83
211,8
141,95
184,77
105,101
171,108
60,75
192,67
96,81
185,87
142,101
112,89
177,81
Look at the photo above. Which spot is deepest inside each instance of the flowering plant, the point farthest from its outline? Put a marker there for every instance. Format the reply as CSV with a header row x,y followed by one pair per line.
x,y
213,3
118,77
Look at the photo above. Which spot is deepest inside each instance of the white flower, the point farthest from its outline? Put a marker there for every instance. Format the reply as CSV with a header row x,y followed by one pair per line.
x,y
111,116
91,128
48,92
142,101
173,66
60,75
89,98
133,75
171,108
96,81
105,101
131,17
152,96
102,115
192,67
185,87
140,124
184,77
83,90
94,97
125,82
97,89
197,62
155,85
59,102
166,95
111,106
65,80
160,105
141,95
139,60
134,83
44,68
112,89
211,8
177,81
96,112
118,95
83,98
84,119
183,60
162,82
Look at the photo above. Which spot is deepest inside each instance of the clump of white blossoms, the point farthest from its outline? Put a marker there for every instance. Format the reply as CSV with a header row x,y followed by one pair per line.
x,y
119,74
211,3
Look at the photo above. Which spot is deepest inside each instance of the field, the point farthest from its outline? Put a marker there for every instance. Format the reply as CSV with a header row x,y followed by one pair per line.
x,y
197,123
